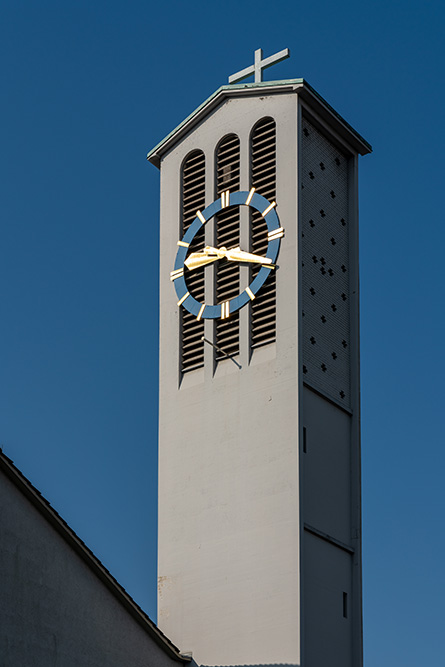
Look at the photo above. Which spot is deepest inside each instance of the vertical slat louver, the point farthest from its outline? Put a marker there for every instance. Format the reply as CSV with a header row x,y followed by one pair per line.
x,y
263,179
193,198
227,278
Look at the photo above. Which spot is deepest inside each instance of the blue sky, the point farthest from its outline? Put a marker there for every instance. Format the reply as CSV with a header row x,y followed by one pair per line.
x,y
88,88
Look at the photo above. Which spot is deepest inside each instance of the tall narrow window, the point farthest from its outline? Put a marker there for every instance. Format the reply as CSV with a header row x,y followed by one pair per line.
x,y
263,179
193,198
227,280
345,605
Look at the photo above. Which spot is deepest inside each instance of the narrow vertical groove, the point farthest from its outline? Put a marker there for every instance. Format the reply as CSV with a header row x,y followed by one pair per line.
x,y
263,179
193,198
227,274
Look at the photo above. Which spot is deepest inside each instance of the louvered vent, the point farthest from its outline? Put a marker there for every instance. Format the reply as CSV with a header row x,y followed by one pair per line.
x,y
325,256
227,279
263,179
193,198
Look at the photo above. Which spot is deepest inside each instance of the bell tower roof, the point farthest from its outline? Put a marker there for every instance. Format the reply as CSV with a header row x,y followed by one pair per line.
x,y
315,101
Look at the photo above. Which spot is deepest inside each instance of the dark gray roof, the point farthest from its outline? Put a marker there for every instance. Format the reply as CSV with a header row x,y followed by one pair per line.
x,y
50,514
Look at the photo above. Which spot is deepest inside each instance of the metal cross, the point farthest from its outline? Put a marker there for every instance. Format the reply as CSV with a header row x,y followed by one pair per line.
x,y
259,65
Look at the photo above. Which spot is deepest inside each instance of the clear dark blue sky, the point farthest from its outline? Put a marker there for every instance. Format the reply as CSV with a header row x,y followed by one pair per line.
x,y
87,89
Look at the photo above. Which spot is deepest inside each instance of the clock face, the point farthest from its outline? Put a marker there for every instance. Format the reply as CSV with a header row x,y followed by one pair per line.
x,y
187,262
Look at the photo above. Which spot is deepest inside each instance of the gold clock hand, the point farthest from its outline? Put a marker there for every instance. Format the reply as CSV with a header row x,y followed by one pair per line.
x,y
209,255
238,255
197,259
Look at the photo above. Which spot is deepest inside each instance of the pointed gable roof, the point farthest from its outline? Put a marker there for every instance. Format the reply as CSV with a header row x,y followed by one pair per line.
x,y
300,86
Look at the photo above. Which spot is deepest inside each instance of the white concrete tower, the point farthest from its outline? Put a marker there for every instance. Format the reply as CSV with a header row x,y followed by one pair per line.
x,y
259,424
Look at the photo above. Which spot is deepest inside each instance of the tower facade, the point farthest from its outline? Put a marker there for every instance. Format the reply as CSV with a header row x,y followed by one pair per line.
x,y
259,556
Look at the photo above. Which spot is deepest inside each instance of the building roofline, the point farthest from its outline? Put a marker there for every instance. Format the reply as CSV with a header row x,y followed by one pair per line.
x,y
56,521
300,86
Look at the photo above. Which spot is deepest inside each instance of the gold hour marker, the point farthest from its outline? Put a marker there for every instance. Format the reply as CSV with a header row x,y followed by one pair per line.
x,y
225,199
200,216
269,208
275,234
250,293
176,274
201,310
181,301
225,310
183,244
249,196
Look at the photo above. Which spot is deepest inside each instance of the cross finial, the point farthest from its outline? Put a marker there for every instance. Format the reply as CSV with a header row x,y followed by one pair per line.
x,y
259,65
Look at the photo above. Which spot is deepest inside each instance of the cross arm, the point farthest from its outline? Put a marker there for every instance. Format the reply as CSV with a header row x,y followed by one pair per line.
x,y
242,74
259,65
277,58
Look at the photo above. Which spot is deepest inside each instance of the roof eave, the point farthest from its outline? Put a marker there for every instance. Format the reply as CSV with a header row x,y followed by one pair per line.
x,y
319,105
244,90
229,90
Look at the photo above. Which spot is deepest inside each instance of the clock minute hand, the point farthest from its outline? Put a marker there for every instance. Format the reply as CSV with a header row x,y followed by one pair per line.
x,y
238,255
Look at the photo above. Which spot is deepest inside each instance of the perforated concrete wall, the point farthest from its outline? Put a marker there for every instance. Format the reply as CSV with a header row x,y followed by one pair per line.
x,y
325,255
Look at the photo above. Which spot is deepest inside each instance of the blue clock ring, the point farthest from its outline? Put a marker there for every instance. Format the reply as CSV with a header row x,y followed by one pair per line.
x,y
186,261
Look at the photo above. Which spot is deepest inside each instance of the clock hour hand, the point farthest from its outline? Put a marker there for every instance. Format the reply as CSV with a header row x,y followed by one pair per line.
x,y
197,259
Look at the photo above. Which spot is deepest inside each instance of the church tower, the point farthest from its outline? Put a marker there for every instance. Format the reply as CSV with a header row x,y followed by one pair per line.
x,y
259,556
